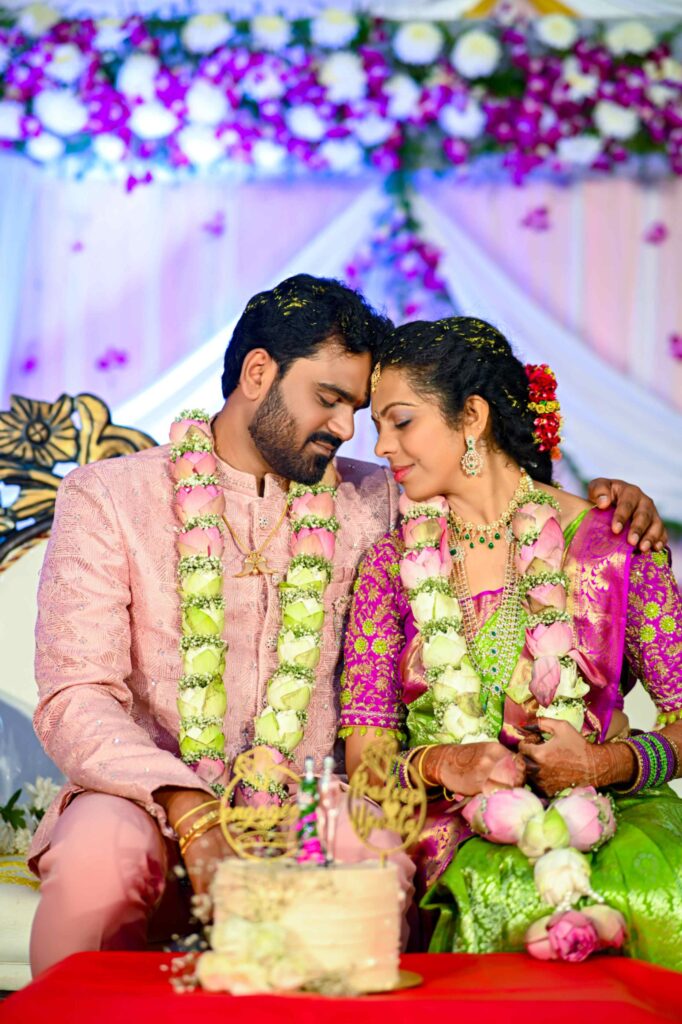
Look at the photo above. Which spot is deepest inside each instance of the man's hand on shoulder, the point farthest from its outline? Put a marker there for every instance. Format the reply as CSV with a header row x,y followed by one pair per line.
x,y
646,530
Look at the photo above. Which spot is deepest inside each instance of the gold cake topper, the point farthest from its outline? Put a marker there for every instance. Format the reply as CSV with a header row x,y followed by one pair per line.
x,y
265,831
376,799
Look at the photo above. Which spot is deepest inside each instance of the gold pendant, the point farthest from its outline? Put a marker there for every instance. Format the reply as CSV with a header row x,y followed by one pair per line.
x,y
254,564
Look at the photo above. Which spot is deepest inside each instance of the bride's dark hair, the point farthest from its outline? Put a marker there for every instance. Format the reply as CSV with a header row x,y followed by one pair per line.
x,y
460,356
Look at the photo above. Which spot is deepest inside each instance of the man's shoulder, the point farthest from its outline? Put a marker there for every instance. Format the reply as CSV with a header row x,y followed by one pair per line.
x,y
123,471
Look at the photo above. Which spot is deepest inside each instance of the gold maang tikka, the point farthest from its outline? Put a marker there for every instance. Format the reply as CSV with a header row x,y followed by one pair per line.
x,y
374,379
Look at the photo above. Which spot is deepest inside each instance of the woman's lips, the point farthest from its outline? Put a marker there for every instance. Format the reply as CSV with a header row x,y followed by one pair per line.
x,y
400,472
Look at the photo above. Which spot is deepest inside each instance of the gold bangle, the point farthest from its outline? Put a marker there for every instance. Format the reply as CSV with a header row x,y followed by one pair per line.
x,y
420,763
194,810
202,825
195,835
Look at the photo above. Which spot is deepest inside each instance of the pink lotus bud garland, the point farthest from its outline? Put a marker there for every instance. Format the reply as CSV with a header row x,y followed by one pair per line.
x,y
199,503
555,840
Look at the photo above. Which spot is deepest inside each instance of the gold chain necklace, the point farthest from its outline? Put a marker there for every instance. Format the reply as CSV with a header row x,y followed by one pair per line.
x,y
506,634
491,532
255,563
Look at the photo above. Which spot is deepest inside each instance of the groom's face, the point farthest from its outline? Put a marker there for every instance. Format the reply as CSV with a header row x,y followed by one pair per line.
x,y
308,413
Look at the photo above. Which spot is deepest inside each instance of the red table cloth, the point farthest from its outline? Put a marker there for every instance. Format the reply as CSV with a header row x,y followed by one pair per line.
x,y
132,988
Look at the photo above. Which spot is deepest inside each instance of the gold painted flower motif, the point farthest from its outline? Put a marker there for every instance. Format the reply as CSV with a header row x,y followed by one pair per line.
x,y
41,433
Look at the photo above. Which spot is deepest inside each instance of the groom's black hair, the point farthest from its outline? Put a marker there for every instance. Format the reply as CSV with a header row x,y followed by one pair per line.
x,y
292,320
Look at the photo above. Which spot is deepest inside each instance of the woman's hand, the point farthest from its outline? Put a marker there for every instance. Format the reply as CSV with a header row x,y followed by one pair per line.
x,y
470,768
567,759
646,529
202,857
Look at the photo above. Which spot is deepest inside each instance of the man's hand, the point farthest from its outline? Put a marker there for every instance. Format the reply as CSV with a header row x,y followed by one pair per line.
x,y
467,768
203,853
567,759
646,529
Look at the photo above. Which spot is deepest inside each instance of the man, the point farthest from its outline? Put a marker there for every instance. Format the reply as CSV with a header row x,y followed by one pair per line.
x,y
107,659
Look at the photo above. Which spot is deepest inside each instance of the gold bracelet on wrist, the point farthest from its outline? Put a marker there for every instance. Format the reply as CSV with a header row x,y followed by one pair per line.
x,y
206,822
429,783
194,810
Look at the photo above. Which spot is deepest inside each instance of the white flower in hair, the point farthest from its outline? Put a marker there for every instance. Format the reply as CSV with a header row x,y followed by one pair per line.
x,y
476,54
270,31
418,42
615,121
61,112
333,28
343,76
629,37
556,30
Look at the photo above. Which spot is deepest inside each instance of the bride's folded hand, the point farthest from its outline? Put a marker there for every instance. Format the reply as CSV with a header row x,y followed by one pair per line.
x,y
470,768
566,759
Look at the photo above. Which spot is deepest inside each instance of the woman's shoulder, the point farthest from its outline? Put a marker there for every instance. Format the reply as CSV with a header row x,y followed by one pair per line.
x,y
384,552
570,505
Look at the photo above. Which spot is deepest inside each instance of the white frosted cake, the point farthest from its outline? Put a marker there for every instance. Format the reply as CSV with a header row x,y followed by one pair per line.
x,y
279,926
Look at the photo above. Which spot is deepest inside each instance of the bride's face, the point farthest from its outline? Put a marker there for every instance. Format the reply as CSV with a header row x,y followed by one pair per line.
x,y
422,450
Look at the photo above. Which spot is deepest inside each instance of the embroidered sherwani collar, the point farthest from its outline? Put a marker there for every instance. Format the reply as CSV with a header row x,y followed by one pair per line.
x,y
246,483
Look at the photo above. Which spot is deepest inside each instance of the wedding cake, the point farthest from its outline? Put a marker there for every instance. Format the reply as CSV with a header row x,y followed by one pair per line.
x,y
281,926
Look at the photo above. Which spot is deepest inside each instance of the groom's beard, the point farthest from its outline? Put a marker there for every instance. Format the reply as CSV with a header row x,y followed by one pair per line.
x,y
273,430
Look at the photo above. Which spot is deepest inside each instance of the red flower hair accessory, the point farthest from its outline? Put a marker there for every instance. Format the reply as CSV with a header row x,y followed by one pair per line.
x,y
542,400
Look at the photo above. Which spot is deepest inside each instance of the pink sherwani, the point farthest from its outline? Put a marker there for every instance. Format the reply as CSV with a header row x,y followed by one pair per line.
x,y
107,660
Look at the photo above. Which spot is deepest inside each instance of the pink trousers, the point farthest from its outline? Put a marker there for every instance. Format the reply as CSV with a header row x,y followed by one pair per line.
x,y
107,881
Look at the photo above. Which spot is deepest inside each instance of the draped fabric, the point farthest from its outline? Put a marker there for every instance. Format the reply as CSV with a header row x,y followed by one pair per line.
x,y
132,295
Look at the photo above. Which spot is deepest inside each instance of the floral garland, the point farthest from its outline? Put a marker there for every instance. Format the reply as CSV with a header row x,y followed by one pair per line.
x,y
557,840
202,700
143,97
545,670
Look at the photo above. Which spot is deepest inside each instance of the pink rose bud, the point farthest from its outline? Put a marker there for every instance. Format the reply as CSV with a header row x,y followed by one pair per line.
x,y
314,542
572,936
589,817
418,566
199,501
503,815
546,595
186,428
201,463
545,678
555,640
202,540
609,924
313,505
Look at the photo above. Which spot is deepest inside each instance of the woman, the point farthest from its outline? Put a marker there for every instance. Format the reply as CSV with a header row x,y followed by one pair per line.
x,y
491,634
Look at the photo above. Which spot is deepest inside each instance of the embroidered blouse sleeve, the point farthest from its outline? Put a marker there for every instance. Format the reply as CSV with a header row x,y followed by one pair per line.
x,y
371,692
653,633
